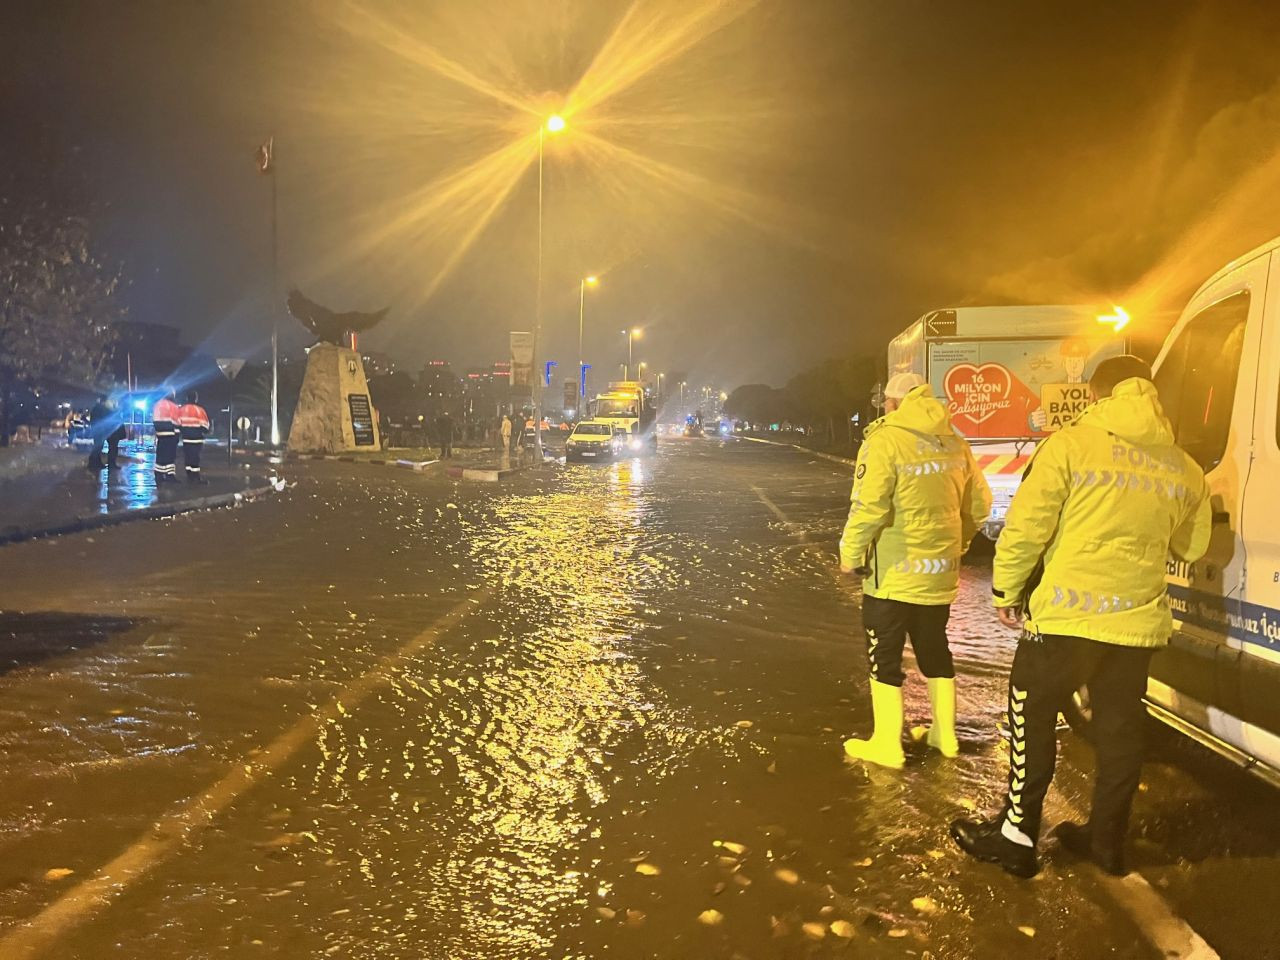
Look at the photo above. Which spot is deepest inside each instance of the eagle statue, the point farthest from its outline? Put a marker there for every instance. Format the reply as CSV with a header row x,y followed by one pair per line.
x,y
328,326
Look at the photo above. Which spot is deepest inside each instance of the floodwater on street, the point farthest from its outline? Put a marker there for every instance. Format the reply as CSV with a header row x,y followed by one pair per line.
x,y
591,712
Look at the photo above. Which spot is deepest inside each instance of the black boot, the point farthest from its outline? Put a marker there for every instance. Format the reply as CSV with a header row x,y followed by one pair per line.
x,y
1078,840
984,841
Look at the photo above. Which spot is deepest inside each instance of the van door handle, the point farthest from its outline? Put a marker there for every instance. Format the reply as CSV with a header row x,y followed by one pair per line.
x,y
1221,516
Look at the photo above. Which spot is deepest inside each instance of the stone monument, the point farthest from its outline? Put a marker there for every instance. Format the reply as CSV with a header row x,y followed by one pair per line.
x,y
334,413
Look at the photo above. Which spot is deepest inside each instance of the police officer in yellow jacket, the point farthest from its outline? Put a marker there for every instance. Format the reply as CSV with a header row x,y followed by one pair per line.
x,y
1107,500
918,499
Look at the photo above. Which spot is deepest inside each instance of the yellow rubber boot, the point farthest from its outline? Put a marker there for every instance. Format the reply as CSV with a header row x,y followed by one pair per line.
x,y
941,735
885,746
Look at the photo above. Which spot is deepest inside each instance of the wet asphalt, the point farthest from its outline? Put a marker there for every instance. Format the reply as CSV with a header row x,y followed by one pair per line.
x,y
590,712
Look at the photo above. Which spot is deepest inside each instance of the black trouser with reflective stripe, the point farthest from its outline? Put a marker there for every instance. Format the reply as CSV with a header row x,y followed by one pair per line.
x,y
166,447
1047,670
888,623
192,445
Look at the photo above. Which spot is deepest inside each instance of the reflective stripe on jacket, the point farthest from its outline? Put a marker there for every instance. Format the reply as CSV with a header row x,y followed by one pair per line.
x,y
1107,501
165,416
193,415
918,499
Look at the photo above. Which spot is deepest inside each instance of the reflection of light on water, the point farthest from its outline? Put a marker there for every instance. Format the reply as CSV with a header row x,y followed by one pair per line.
x,y
538,764
629,472
132,486
140,486
476,780
104,491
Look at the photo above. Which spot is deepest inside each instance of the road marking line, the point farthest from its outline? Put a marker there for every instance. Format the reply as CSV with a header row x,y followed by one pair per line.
x,y
796,530
173,830
1167,932
1170,934
1150,912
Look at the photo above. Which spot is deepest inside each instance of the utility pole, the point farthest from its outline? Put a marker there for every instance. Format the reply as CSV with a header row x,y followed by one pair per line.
x,y
275,308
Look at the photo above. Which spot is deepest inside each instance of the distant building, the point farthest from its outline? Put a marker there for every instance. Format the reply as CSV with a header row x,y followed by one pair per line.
x,y
487,390
439,388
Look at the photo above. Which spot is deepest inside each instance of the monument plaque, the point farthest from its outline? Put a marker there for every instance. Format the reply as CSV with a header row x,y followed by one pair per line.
x,y
361,419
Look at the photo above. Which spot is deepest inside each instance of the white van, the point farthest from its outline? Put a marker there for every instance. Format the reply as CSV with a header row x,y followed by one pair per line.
x,y
1219,379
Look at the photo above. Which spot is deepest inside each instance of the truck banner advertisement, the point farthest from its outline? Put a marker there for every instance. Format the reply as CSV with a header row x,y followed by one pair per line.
x,y
1062,403
1007,389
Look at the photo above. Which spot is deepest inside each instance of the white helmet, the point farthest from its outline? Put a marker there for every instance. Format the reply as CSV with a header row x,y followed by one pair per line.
x,y
900,384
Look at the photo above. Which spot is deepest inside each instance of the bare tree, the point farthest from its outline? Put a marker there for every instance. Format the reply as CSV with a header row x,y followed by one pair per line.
x,y
58,303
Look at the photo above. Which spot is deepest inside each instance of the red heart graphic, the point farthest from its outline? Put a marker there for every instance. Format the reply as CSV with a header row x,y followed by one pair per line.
x,y
978,393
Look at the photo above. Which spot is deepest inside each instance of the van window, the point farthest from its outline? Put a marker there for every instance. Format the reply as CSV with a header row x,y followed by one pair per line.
x,y
1197,380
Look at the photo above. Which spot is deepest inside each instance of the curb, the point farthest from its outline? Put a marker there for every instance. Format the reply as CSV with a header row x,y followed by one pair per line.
x,y
845,461
379,461
14,534
497,474
417,465
342,458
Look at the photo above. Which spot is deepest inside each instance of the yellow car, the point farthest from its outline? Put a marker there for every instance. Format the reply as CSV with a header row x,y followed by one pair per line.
x,y
594,440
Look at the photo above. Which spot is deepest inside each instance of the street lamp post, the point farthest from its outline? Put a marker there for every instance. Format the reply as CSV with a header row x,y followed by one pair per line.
x,y
630,335
554,124
582,309
275,318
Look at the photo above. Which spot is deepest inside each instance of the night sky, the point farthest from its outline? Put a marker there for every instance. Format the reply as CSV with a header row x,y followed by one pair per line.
x,y
760,186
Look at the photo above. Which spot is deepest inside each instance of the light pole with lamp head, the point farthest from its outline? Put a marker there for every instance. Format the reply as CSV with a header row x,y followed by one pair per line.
x,y
582,309
553,124
631,335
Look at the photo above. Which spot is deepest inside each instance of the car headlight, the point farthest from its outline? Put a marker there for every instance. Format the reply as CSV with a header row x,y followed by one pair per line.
x,y
636,444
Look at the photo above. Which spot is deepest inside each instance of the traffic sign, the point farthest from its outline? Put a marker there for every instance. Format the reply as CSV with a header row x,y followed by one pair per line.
x,y
230,366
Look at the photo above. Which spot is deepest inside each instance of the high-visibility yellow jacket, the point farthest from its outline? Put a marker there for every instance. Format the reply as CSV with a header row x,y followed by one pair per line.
x,y
918,499
1104,504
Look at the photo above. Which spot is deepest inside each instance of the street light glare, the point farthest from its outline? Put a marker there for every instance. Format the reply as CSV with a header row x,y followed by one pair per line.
x,y
555,123
592,281
636,332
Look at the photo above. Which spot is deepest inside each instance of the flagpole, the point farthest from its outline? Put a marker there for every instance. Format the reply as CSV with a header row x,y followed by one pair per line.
x,y
275,312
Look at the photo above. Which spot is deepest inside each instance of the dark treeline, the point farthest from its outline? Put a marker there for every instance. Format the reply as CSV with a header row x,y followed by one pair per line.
x,y
822,401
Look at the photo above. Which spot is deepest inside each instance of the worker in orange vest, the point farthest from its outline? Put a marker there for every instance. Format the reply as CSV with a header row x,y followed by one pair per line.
x,y
164,416
193,423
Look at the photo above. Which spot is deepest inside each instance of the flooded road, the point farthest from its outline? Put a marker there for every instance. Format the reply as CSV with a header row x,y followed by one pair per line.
x,y
596,712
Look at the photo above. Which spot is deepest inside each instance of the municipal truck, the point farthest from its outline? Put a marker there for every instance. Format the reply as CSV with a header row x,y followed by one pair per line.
x,y
1010,377
625,406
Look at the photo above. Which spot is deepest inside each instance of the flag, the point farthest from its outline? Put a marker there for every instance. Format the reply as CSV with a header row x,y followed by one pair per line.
x,y
265,155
